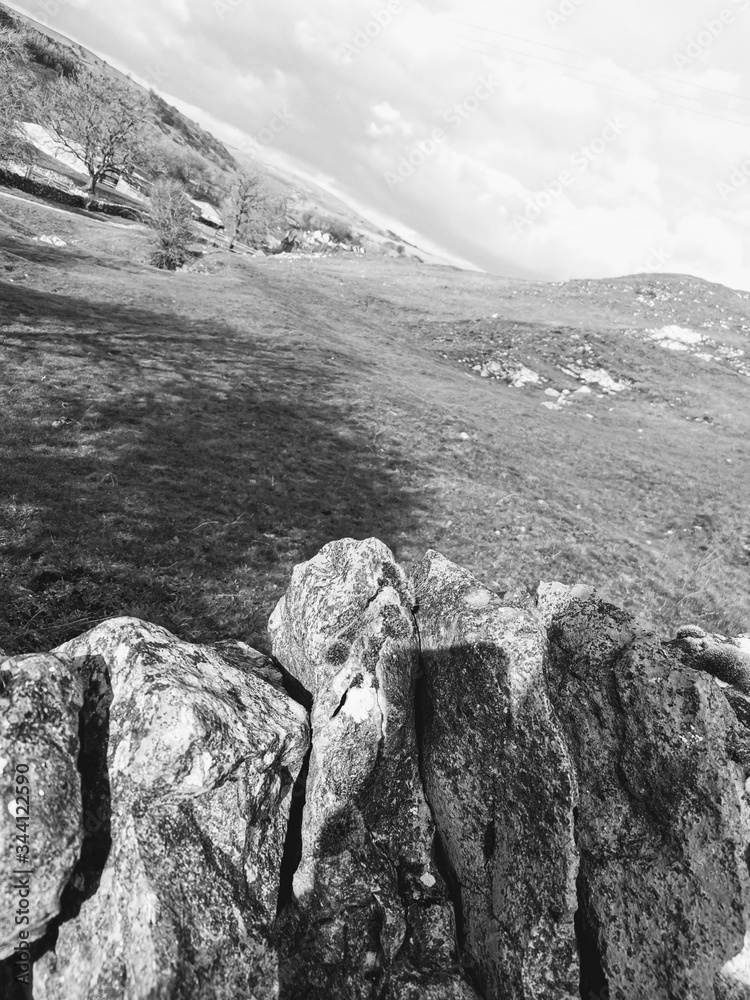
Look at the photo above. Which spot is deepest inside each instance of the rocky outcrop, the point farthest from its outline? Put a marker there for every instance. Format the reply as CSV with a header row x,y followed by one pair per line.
x,y
430,790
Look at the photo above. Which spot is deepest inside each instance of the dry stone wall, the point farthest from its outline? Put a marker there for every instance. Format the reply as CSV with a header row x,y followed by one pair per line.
x,y
429,790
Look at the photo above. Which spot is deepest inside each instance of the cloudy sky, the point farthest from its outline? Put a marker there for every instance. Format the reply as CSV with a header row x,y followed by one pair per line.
x,y
548,138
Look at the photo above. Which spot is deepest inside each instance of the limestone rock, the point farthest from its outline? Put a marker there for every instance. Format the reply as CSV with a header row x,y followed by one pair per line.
x,y
500,782
40,699
662,823
724,657
192,755
370,912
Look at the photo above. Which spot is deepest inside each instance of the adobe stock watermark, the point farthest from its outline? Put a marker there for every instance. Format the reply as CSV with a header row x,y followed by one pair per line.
x,y
49,8
224,7
372,29
711,29
580,161
656,260
279,121
155,75
736,180
454,116
564,10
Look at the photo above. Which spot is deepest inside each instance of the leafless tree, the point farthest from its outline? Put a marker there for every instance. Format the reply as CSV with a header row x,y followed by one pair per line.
x,y
248,209
104,121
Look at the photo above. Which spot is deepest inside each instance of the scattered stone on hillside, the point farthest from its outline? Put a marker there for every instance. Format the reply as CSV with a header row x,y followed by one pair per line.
x,y
676,338
597,376
193,754
662,823
686,340
370,908
517,375
510,372
41,817
54,241
500,783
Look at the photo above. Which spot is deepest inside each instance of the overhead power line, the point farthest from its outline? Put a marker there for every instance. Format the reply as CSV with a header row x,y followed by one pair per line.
x,y
593,77
582,55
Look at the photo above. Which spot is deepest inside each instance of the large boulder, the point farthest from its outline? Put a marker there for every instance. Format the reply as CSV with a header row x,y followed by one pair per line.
x,y
193,754
41,818
369,915
500,782
662,824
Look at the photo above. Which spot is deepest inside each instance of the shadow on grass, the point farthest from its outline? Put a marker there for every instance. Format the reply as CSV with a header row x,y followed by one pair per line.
x,y
172,469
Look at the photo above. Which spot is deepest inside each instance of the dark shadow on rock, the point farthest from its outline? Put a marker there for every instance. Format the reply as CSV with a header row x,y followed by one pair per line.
x,y
594,982
95,800
172,469
11,986
97,811
318,939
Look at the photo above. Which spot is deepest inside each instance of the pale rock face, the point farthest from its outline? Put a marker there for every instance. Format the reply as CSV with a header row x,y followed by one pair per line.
x,y
198,750
40,698
370,909
500,782
662,822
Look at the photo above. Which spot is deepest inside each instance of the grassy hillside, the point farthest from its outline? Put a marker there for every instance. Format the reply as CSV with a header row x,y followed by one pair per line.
x,y
171,444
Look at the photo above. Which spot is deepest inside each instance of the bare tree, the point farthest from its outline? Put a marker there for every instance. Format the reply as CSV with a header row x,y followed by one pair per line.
x,y
247,209
18,102
171,215
103,121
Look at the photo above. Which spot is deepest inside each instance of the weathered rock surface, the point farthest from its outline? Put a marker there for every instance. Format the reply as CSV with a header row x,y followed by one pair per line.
x,y
724,657
662,824
41,828
194,752
370,916
501,783
501,798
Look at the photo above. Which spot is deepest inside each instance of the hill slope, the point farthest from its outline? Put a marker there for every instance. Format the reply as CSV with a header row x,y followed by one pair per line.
x,y
172,444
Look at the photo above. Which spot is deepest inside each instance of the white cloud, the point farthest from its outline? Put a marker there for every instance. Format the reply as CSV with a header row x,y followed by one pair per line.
x,y
389,123
708,241
386,112
178,9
